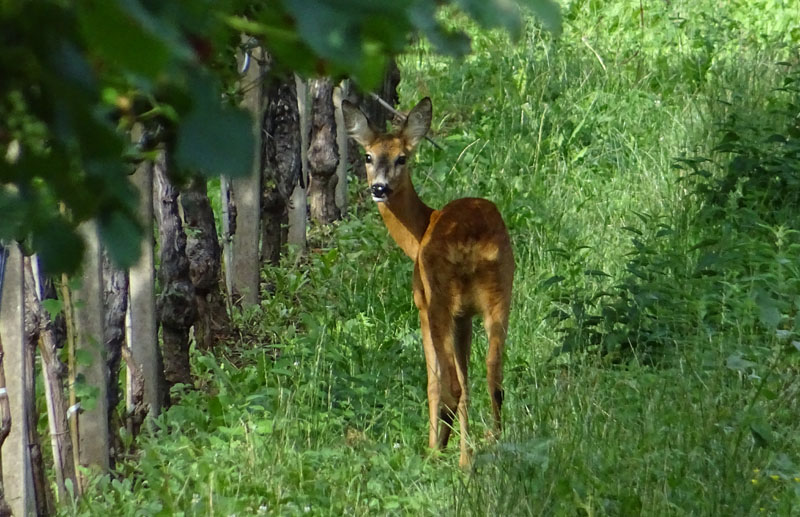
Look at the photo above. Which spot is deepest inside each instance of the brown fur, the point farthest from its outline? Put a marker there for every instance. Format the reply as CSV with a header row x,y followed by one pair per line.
x,y
463,266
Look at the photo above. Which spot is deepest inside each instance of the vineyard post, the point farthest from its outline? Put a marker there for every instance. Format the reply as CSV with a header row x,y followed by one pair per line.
x,y
16,466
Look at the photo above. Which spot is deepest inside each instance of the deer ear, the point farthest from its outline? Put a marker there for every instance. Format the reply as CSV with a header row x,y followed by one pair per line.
x,y
357,124
418,122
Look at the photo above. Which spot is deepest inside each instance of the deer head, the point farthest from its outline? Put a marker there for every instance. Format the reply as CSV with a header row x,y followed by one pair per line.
x,y
388,154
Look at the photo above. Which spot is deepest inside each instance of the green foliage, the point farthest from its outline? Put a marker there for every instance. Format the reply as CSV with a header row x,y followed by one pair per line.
x,y
67,98
71,94
205,126
86,393
355,37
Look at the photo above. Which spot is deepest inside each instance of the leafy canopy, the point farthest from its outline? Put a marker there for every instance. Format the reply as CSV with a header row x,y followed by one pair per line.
x,y
76,76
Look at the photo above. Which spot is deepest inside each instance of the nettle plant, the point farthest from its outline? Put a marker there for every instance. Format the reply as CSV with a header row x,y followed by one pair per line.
x,y
639,311
726,260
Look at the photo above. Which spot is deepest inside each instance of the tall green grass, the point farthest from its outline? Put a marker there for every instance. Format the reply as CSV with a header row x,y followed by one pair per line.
x,y
646,163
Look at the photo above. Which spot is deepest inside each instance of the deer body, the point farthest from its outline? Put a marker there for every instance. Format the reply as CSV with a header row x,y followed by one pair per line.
x,y
463,266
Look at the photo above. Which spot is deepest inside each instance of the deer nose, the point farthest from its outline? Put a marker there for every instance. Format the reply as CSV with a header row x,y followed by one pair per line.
x,y
380,191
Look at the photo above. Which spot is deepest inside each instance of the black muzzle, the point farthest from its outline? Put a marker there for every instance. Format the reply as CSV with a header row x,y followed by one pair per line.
x,y
380,191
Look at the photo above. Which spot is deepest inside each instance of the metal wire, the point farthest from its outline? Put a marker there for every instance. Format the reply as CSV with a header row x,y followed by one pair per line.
x,y
3,257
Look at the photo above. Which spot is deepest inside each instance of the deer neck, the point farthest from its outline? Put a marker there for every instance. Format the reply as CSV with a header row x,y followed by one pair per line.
x,y
407,218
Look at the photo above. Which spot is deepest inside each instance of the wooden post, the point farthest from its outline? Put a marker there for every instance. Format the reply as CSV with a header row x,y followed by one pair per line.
x,y
298,204
339,93
116,292
227,236
41,488
91,372
204,255
247,189
53,372
323,153
143,332
282,165
16,466
176,303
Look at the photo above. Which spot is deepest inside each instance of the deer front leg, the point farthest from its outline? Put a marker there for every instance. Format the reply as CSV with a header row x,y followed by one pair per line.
x,y
451,392
444,392
442,395
432,366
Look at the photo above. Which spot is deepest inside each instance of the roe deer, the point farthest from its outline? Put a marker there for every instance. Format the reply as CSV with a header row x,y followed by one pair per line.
x,y
463,266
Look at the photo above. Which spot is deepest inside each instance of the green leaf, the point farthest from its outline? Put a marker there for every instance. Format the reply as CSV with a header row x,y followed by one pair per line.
x,y
547,11
13,208
632,230
423,16
214,139
83,357
85,393
330,31
264,427
762,433
738,363
121,236
53,307
215,408
769,315
59,246
495,13
704,244
122,32
552,280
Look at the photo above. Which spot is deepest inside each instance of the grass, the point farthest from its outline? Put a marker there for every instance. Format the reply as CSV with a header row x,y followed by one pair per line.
x,y
652,361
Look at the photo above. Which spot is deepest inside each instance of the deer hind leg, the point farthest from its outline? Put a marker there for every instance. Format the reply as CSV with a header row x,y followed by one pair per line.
x,y
457,399
496,323
463,344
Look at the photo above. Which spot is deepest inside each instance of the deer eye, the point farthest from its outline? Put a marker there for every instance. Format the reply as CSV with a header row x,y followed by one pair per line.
x,y
368,158
401,160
